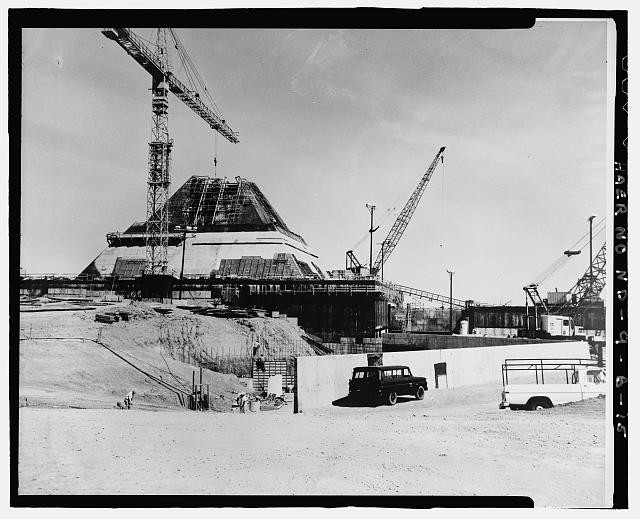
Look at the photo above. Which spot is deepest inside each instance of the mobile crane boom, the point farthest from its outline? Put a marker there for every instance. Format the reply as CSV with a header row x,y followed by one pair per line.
x,y
405,215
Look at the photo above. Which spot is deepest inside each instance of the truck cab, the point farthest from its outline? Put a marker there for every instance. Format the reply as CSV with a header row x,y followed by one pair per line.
x,y
557,325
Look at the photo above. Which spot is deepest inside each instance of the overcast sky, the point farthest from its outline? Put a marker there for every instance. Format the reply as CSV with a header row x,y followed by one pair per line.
x,y
330,120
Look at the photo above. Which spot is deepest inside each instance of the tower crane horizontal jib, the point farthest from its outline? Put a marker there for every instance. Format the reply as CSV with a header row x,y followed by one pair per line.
x,y
139,51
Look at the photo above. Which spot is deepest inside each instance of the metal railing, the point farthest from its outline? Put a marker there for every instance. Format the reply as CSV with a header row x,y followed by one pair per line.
x,y
540,365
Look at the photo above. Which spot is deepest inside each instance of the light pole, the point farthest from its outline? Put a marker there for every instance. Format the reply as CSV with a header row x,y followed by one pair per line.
x,y
591,218
371,208
450,272
382,260
184,241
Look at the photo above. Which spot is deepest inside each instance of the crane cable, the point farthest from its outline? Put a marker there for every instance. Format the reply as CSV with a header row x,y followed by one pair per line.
x,y
392,209
560,262
551,269
215,154
442,210
195,80
189,64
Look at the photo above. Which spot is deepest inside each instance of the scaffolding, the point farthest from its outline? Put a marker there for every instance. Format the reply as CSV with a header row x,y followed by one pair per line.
x,y
208,203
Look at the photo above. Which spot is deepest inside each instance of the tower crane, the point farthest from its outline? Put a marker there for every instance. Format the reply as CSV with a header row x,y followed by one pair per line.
x,y
156,62
405,215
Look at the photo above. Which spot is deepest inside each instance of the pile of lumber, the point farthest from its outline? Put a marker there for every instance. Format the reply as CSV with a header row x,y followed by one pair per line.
x,y
112,317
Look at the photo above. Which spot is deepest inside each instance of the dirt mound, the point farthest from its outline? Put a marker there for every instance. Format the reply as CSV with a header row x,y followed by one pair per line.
x,y
58,368
77,373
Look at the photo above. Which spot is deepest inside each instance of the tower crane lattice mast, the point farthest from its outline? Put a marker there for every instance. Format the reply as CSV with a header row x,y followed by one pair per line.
x,y
156,62
588,287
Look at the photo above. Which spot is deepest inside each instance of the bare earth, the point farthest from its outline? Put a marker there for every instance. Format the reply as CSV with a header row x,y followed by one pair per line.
x,y
72,439
431,447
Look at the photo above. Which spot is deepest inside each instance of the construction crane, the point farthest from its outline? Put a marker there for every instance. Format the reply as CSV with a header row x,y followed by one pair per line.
x,y
583,293
156,62
588,287
352,263
405,215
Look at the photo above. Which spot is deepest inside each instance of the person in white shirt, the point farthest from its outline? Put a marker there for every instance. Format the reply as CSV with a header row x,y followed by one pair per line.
x,y
129,399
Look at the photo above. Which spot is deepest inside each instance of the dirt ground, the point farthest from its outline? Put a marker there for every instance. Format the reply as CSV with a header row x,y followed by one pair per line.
x,y
432,447
59,369
72,439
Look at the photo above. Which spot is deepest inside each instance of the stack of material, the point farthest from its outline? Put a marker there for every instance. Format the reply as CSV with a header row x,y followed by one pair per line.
x,y
107,318
224,312
163,311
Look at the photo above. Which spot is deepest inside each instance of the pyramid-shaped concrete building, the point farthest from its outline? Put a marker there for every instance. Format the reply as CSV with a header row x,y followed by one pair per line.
x,y
233,231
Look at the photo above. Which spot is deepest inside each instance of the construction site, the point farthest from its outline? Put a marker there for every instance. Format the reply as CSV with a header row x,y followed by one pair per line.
x,y
213,318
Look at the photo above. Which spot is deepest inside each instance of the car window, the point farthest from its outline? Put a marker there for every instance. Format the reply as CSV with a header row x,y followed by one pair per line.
x,y
406,372
358,374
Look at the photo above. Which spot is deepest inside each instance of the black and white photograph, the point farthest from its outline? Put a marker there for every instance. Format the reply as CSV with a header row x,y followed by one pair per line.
x,y
315,257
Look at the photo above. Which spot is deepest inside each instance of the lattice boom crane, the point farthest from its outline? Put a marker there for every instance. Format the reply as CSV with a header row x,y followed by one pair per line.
x,y
405,215
156,63
588,288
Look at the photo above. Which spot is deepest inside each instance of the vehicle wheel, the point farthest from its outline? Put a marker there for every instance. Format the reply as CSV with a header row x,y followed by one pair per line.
x,y
419,393
537,404
392,398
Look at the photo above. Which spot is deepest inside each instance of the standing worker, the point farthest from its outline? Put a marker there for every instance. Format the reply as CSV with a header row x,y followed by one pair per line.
x,y
129,399
242,402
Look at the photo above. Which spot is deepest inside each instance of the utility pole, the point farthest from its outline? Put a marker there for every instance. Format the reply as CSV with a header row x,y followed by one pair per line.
x,y
371,208
450,272
591,218
184,242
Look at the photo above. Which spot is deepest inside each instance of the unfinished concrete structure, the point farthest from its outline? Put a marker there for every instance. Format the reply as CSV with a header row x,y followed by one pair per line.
x,y
215,224
228,243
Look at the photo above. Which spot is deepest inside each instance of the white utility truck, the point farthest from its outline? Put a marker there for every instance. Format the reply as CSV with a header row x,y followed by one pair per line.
x,y
557,325
543,383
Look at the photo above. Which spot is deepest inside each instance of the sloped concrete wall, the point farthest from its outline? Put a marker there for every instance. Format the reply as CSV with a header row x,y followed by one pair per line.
x,y
321,380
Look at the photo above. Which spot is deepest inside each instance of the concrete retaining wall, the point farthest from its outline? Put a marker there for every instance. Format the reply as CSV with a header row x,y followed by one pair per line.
x,y
416,341
480,365
321,380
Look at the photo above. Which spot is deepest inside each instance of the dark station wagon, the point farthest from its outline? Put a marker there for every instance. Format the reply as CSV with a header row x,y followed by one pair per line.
x,y
385,383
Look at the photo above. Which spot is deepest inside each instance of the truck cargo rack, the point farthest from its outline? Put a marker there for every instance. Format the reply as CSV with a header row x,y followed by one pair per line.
x,y
540,365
